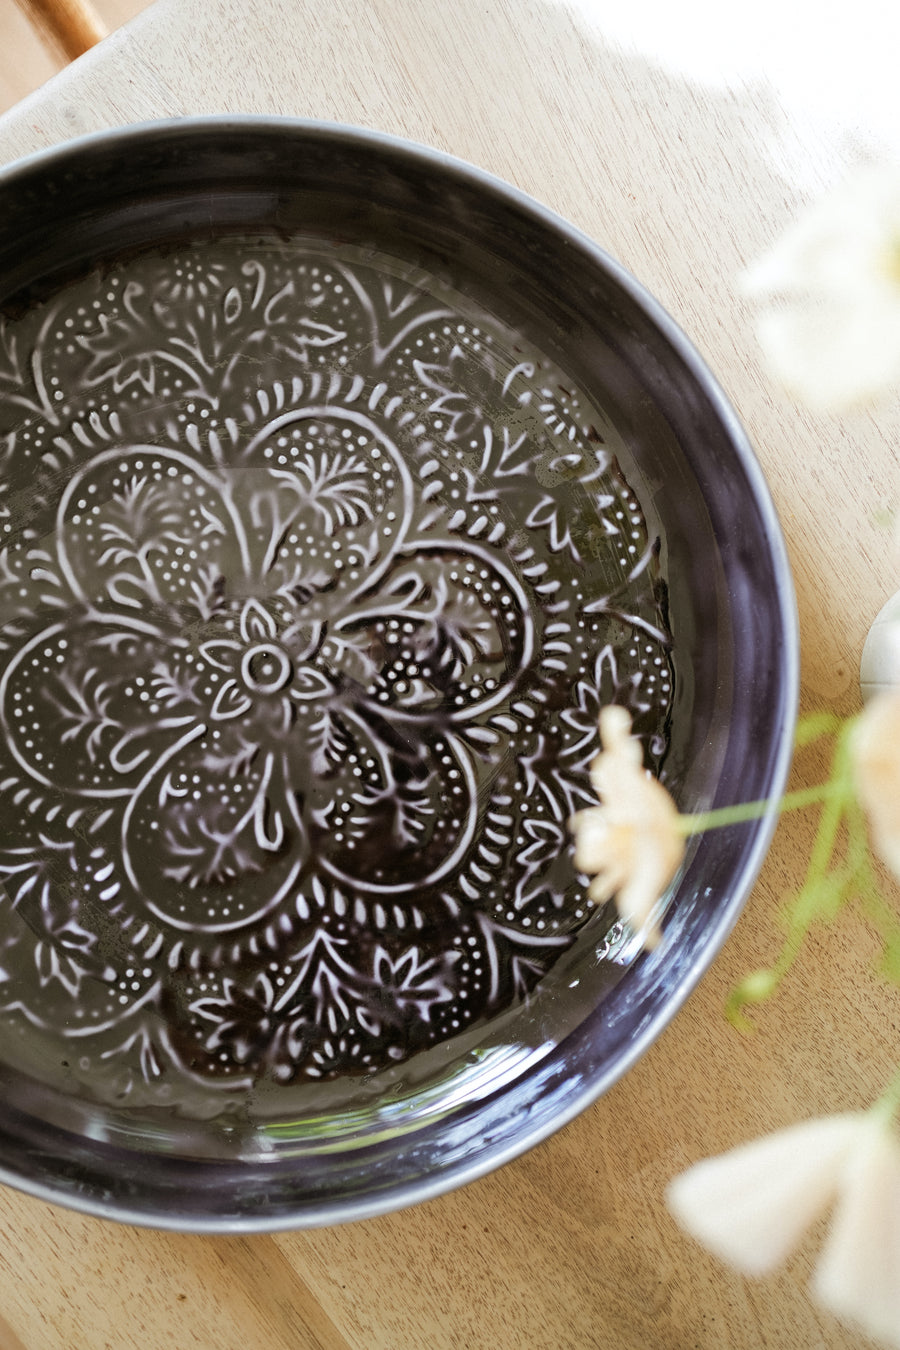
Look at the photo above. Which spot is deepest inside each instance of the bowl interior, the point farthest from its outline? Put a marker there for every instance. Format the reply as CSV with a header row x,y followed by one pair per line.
x,y
488,485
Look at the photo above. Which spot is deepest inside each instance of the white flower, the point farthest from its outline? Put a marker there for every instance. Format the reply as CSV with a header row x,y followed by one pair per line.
x,y
876,764
858,1277
752,1206
838,340
879,666
631,844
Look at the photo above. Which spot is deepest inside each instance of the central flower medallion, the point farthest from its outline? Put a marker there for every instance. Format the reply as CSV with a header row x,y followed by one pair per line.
x,y
304,623
266,668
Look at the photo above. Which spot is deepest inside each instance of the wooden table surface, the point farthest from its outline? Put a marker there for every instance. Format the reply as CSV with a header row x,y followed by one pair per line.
x,y
684,158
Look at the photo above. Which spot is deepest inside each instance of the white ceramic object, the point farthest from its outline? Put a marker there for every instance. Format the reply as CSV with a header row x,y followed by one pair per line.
x,y
879,668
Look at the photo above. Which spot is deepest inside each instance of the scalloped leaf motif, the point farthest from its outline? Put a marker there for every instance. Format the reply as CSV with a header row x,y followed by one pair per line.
x,y
314,583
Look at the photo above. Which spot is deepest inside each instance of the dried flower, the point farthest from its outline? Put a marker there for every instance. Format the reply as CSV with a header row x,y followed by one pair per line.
x,y
631,844
752,1206
838,267
876,763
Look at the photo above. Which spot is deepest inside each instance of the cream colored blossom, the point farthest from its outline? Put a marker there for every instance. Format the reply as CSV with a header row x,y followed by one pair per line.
x,y
631,844
834,339
858,1276
752,1206
879,666
876,764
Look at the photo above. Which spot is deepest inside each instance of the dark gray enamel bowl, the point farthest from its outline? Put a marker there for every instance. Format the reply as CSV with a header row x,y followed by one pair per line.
x,y
341,486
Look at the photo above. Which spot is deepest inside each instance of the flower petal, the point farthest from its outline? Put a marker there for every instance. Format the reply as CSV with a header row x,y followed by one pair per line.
x,y
752,1205
591,830
858,1276
231,701
838,243
839,266
257,624
876,765
222,652
310,684
834,355
632,843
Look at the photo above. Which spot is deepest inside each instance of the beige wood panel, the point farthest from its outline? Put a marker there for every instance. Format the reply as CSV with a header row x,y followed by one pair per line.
x,y
570,1246
27,61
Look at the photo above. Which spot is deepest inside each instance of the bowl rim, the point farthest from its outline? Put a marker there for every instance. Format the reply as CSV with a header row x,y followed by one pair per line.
x,y
414,1192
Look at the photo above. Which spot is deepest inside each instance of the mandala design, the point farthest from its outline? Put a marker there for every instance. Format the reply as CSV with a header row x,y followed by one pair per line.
x,y
311,584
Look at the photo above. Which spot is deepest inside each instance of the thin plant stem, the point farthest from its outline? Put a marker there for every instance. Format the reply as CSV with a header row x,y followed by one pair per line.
x,y
889,1102
823,891
700,821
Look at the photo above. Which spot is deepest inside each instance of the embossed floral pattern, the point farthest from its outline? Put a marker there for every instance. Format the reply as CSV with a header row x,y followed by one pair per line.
x,y
309,589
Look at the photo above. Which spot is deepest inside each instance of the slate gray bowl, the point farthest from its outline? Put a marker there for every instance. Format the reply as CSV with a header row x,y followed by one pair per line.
x,y
730,601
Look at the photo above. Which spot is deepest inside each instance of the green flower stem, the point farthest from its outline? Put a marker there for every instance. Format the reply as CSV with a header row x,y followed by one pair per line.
x,y
889,1102
813,726
737,814
876,908
825,889
809,728
808,904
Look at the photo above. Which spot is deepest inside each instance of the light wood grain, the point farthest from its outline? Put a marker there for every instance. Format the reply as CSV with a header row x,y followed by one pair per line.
x,y
570,1246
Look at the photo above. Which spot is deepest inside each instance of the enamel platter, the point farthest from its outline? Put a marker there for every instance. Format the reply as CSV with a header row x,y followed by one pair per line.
x,y
341,486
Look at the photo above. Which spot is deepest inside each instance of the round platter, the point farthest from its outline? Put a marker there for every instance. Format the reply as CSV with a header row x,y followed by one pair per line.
x,y
341,486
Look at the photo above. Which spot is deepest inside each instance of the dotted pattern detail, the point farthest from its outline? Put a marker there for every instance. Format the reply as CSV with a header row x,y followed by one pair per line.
x,y
312,582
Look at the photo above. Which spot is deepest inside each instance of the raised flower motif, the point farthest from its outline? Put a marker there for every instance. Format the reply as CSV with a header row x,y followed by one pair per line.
x,y
250,1025
293,701
266,669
